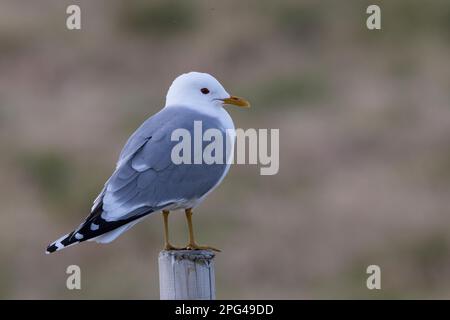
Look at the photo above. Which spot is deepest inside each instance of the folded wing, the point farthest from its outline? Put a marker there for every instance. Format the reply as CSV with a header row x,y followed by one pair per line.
x,y
146,180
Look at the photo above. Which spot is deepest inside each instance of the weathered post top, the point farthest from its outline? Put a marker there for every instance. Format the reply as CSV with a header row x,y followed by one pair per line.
x,y
186,275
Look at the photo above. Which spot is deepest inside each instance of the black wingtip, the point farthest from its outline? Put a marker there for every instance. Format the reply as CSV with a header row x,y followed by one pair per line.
x,y
51,248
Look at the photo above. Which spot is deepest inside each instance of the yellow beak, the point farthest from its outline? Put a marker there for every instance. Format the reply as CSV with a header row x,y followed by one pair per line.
x,y
236,101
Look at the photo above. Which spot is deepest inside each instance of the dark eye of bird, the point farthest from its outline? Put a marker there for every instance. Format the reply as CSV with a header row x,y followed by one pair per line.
x,y
204,90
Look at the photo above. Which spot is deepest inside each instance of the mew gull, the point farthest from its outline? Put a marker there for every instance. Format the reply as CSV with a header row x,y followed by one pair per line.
x,y
147,180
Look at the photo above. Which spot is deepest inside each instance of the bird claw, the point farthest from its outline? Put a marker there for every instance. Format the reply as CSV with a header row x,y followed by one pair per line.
x,y
169,247
194,246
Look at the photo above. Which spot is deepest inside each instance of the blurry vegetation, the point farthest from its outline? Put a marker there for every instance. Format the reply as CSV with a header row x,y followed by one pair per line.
x,y
426,257
439,169
10,43
158,18
300,22
143,107
5,280
402,65
2,112
430,170
281,90
430,256
61,183
406,20
413,17
50,172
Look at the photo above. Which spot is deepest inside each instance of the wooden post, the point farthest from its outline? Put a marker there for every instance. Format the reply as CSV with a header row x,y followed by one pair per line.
x,y
186,275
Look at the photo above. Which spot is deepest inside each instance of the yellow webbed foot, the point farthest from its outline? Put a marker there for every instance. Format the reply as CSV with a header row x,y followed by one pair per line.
x,y
194,246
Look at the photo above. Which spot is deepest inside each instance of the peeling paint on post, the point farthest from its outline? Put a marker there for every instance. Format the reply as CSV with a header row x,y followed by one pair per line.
x,y
186,275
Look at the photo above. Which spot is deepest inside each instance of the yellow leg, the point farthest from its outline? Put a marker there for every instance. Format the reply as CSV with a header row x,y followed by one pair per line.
x,y
167,245
192,244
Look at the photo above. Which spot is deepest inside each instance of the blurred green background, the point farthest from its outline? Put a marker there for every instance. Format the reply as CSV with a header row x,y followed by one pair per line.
x,y
364,119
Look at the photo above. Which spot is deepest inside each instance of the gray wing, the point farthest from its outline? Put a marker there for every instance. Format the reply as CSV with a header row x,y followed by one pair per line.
x,y
147,179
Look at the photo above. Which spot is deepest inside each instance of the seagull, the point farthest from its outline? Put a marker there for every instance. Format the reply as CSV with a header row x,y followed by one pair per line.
x,y
146,179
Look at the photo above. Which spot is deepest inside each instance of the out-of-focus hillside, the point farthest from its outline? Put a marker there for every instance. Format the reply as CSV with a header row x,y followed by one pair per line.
x,y
364,119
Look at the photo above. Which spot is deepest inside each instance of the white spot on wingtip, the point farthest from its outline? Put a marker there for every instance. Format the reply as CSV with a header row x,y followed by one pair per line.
x,y
94,226
79,236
